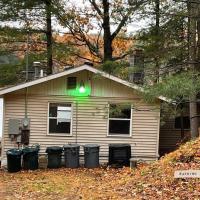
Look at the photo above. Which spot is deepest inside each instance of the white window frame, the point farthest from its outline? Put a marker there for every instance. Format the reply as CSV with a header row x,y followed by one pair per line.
x,y
131,119
71,126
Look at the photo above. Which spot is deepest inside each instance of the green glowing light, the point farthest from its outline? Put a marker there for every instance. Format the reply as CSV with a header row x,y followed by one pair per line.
x,y
82,89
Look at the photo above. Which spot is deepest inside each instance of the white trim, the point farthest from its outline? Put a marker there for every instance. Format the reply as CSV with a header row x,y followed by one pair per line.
x,y
74,70
121,119
71,127
131,121
3,135
158,136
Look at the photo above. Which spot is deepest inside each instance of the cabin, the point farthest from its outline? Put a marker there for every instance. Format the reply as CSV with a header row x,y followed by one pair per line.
x,y
81,105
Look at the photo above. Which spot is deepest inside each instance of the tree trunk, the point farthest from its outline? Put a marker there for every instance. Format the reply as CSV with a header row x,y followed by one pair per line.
x,y
193,117
157,35
192,55
198,32
107,38
49,37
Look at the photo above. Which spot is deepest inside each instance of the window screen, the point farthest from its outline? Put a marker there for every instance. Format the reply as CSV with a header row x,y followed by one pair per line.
x,y
60,118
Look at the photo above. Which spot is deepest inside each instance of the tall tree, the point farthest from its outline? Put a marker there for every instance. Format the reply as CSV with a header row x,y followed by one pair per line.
x,y
192,58
48,5
34,17
157,37
176,32
101,16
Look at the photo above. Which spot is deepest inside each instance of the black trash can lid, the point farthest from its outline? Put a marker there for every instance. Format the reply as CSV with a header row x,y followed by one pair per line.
x,y
54,149
91,146
14,152
36,146
119,145
27,150
69,146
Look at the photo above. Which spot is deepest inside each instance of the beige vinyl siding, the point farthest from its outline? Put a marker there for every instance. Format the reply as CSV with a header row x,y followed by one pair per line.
x,y
90,120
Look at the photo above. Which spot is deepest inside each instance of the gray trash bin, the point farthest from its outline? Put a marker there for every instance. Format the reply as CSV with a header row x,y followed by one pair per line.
x,y
54,156
71,152
91,155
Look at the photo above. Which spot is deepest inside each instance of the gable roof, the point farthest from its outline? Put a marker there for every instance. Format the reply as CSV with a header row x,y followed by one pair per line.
x,y
71,71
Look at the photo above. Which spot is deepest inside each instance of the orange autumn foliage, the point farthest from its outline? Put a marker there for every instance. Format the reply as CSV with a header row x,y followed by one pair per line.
x,y
120,46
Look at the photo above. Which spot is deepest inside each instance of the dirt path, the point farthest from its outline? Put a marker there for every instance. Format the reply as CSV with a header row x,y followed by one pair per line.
x,y
63,184
2,191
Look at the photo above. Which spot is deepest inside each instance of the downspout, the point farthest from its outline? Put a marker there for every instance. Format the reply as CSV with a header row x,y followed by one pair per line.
x,y
158,134
25,121
76,136
27,62
26,103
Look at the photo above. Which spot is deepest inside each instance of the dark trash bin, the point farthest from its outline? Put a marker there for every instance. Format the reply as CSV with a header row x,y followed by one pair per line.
x,y
71,152
91,155
30,157
54,156
119,155
14,160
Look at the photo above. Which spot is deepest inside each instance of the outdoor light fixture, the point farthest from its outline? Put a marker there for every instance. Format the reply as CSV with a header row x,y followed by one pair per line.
x,y
82,87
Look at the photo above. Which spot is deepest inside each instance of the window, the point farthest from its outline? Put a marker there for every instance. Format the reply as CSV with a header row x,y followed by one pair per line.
x,y
119,119
186,122
60,118
71,83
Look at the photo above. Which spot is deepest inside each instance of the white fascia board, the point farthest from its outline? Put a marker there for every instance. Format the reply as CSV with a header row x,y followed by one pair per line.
x,y
40,80
74,70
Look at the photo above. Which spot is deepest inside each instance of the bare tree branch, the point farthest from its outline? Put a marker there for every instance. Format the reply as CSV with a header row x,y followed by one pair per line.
x,y
120,57
126,16
91,60
93,2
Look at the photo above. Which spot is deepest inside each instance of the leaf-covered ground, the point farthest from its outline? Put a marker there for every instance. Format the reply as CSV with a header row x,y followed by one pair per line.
x,y
152,181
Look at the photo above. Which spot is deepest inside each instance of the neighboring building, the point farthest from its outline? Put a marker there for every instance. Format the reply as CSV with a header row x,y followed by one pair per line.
x,y
175,129
170,134
81,105
9,59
